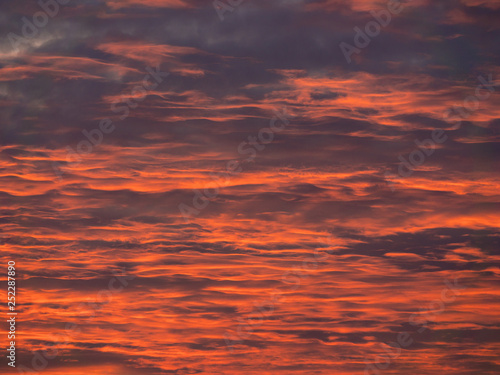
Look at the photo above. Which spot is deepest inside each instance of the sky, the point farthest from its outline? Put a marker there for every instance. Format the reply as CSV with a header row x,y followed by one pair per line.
x,y
251,187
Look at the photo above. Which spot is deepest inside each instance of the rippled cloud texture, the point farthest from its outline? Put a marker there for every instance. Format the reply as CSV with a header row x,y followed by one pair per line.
x,y
397,241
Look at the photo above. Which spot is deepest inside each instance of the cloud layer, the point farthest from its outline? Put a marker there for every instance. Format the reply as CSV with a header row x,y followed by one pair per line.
x,y
395,240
